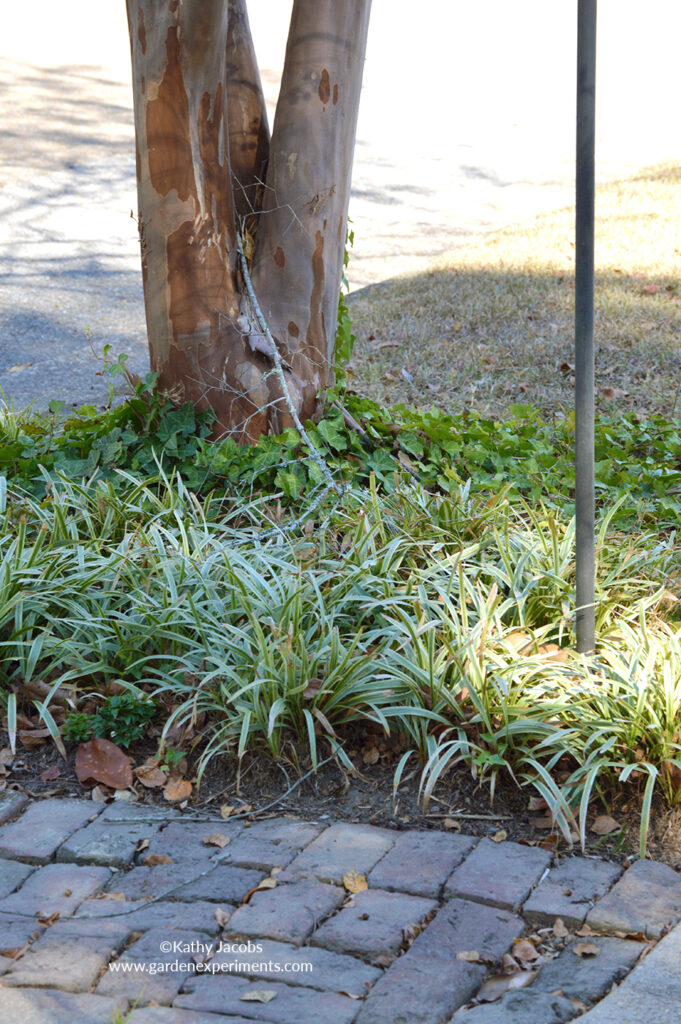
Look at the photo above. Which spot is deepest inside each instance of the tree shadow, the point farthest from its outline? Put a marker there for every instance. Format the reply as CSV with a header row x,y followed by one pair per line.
x,y
55,358
70,276
89,117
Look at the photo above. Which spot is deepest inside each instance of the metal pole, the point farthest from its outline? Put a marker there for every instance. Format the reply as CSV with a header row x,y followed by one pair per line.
x,y
584,326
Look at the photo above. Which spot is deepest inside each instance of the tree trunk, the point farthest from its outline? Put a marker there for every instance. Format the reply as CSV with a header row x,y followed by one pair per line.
x,y
207,172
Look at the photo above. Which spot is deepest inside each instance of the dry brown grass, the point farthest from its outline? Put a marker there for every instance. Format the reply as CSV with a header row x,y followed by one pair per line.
x,y
492,324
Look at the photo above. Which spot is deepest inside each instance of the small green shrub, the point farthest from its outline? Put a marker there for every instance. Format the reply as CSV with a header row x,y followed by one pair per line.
x,y
78,727
122,719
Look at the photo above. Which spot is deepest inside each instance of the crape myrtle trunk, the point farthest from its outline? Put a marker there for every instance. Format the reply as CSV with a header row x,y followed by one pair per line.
x,y
207,171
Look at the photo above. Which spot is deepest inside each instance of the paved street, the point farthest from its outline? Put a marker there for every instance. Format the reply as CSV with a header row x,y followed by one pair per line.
x,y
189,919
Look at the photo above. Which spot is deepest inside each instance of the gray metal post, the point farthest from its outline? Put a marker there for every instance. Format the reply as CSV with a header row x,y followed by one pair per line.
x,y
584,326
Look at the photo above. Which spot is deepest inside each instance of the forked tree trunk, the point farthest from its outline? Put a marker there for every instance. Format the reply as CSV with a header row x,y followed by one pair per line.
x,y
207,171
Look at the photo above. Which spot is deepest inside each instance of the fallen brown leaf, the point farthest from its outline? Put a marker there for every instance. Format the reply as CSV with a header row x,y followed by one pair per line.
x,y
102,761
258,995
604,825
177,789
217,839
553,653
313,687
541,823
559,929
39,688
585,949
324,721
23,722
125,796
32,738
47,919
499,836
636,936
523,642
150,775
226,810
495,987
524,951
267,883
354,882
221,916
154,859
50,773
371,755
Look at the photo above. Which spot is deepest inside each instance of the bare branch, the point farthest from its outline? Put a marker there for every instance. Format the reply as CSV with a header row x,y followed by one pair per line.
x,y
274,352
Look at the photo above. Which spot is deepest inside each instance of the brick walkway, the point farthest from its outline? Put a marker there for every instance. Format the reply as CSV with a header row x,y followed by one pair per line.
x,y
129,909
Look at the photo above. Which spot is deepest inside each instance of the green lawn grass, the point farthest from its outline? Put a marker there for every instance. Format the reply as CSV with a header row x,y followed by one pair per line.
x,y
492,324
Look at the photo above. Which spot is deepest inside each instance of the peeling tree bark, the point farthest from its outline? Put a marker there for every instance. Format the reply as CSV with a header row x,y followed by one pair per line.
x,y
206,169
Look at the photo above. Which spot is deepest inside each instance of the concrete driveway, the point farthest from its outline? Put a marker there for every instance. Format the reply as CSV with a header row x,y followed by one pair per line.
x,y
466,124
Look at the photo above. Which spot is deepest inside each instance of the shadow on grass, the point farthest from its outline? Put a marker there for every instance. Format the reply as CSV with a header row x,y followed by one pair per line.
x,y
492,325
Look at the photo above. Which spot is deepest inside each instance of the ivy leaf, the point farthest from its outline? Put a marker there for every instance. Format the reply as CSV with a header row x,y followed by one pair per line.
x,y
332,436
289,482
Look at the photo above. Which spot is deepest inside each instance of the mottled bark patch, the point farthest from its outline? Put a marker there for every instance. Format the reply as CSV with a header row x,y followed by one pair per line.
x,y
168,136
141,31
279,257
325,87
293,329
198,281
335,95
184,310
216,183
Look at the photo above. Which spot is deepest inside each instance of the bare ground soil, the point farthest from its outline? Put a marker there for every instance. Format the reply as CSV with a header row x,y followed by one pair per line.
x,y
261,788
